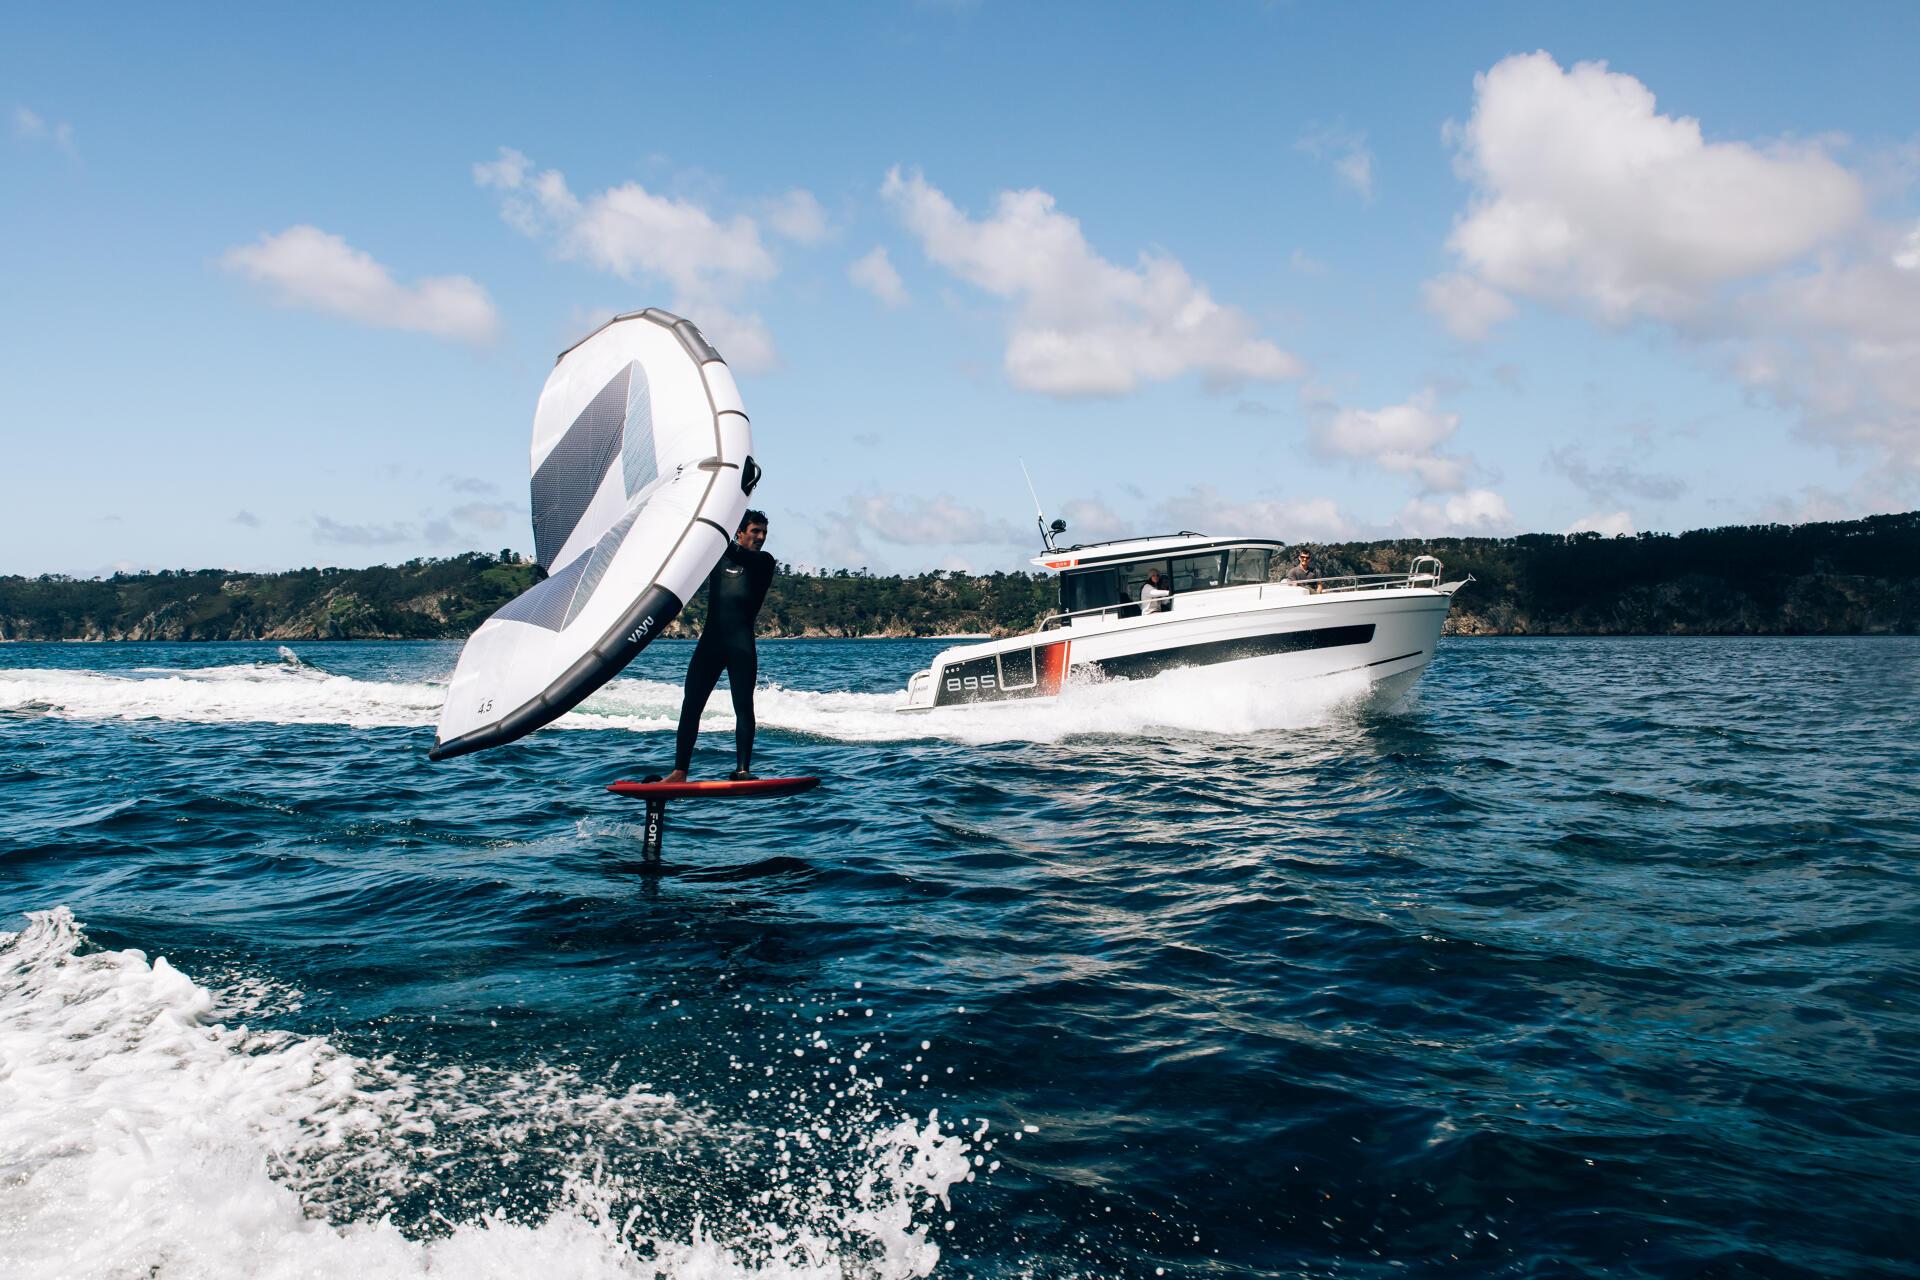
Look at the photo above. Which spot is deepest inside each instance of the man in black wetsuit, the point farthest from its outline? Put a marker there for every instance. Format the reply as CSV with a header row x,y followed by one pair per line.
x,y
735,590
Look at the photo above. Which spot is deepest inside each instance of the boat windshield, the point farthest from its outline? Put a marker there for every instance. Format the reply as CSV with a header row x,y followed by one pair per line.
x,y
1120,584
1247,566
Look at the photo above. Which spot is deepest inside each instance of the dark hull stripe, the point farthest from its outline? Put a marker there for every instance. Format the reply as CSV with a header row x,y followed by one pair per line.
x,y
1402,658
1134,666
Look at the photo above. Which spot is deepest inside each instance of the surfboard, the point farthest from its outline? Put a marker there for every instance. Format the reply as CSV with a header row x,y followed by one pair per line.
x,y
714,789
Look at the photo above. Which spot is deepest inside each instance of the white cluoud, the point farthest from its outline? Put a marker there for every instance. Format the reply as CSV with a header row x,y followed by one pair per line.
x,y
317,271
1084,326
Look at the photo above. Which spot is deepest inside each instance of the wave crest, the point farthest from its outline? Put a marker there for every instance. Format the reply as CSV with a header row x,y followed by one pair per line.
x,y
1198,701
143,1135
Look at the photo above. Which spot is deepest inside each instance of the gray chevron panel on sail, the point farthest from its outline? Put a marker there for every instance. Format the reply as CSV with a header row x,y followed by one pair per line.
x,y
638,455
641,464
546,604
571,474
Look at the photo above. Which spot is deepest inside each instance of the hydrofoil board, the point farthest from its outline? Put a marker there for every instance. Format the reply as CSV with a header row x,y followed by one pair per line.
x,y
656,793
715,789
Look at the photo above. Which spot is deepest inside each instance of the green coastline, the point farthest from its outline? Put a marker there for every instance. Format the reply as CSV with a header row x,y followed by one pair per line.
x,y
1856,577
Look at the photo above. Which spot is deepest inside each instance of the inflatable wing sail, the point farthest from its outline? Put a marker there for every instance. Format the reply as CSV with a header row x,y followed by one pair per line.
x,y
640,476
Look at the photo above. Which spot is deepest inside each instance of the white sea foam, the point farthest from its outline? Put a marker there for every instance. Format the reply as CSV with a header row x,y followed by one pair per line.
x,y
1201,701
280,694
1190,701
141,1135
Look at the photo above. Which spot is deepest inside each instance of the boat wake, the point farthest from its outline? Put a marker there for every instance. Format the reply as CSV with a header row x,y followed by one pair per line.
x,y
146,1128
1199,701
270,692
1203,701
1193,701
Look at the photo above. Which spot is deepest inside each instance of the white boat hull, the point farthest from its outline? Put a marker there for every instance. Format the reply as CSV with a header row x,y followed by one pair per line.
x,y
1260,634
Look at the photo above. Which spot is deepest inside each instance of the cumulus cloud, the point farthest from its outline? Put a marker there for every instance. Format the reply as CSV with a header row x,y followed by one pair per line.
x,y
876,275
1347,151
1840,344
1204,509
1402,438
798,217
1761,257
863,528
638,235
939,521
1091,520
328,530
1082,325
1306,264
1604,481
308,268
1611,523
506,171
840,542
1584,193
1468,307
1819,503
1477,511
849,534
1906,253
485,515
30,126
464,525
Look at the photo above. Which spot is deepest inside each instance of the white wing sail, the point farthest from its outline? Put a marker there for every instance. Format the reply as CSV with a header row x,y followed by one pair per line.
x,y
641,471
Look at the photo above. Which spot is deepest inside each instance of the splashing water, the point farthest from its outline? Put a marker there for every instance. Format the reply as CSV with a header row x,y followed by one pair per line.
x,y
143,1132
1201,701
1583,963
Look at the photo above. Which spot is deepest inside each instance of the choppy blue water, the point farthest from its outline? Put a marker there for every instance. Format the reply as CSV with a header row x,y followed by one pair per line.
x,y
1592,957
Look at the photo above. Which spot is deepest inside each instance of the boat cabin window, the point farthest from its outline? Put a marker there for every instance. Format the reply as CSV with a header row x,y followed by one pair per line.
x,y
1120,585
1088,589
1247,565
1182,573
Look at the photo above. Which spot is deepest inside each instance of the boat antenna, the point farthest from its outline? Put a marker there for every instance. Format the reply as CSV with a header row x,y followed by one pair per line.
x,y
1040,515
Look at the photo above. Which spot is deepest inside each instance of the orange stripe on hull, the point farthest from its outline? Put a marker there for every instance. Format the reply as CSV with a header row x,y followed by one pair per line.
x,y
1050,662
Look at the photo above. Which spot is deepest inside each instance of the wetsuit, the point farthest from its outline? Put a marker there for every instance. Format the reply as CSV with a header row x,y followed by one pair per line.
x,y
735,590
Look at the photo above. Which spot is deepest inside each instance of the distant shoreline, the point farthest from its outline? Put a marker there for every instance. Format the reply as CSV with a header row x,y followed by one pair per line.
x,y
1855,577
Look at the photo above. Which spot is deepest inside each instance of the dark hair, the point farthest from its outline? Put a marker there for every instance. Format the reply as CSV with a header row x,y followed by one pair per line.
x,y
752,517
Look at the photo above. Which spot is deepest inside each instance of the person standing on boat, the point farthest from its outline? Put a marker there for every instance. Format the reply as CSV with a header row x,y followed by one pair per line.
x,y
1154,595
1302,571
735,591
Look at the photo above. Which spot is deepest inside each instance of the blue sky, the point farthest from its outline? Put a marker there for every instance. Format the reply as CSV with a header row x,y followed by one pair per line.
x,y
281,288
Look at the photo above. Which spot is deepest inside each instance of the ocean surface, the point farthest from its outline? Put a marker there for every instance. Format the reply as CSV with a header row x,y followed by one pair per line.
x,y
1590,957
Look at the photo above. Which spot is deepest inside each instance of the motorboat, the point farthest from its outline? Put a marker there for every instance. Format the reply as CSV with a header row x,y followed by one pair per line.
x,y
1229,608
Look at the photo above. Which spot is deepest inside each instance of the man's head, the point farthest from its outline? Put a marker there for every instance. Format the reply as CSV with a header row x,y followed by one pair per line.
x,y
1304,558
752,533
